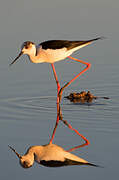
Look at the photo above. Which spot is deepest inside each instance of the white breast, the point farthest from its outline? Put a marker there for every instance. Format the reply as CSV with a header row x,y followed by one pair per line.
x,y
53,55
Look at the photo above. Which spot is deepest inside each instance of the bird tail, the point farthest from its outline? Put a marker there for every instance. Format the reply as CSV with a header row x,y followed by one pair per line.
x,y
73,162
95,39
91,164
87,42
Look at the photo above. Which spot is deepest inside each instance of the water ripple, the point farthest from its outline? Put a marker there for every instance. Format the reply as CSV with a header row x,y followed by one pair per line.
x,y
101,115
28,105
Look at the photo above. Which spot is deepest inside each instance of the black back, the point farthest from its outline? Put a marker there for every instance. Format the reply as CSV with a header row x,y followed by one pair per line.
x,y
59,44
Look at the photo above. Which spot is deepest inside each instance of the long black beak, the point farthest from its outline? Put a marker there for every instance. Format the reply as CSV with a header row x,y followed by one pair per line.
x,y
18,155
16,58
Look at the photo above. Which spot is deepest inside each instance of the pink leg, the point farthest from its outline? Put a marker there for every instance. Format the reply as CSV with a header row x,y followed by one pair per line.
x,y
70,127
88,65
56,79
59,114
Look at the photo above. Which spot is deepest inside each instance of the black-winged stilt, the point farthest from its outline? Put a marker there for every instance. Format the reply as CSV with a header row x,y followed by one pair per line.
x,y
50,155
52,51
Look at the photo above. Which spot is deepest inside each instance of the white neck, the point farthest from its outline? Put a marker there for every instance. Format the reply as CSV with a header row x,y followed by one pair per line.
x,y
33,153
35,150
34,57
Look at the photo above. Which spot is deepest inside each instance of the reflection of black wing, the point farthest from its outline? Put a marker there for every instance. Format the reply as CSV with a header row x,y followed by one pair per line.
x,y
67,162
59,44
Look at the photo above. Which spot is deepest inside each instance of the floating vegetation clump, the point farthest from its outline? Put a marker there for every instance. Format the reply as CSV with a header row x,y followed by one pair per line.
x,y
82,97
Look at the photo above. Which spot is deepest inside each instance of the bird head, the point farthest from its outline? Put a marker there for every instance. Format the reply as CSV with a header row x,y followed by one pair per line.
x,y
25,161
28,48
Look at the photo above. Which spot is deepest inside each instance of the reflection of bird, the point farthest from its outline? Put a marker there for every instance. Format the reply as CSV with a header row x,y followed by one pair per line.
x,y
50,155
53,51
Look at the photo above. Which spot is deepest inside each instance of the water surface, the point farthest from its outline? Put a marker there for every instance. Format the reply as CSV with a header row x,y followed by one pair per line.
x,y
28,114
28,91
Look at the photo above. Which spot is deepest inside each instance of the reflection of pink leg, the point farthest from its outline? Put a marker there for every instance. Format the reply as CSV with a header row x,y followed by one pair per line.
x,y
58,89
70,127
88,65
56,124
79,146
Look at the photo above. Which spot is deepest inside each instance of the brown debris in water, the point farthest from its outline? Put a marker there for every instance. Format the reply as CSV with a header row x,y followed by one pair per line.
x,y
82,97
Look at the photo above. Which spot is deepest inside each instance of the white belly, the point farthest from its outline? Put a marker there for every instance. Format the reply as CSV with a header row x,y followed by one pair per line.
x,y
52,56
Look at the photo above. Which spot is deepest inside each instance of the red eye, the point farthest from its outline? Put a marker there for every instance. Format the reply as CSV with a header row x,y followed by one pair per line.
x,y
26,47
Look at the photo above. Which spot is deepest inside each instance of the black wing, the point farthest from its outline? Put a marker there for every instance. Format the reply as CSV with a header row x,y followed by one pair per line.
x,y
58,44
67,162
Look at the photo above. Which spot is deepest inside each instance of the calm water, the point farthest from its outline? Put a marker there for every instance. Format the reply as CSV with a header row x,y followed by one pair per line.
x,y
28,114
28,91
